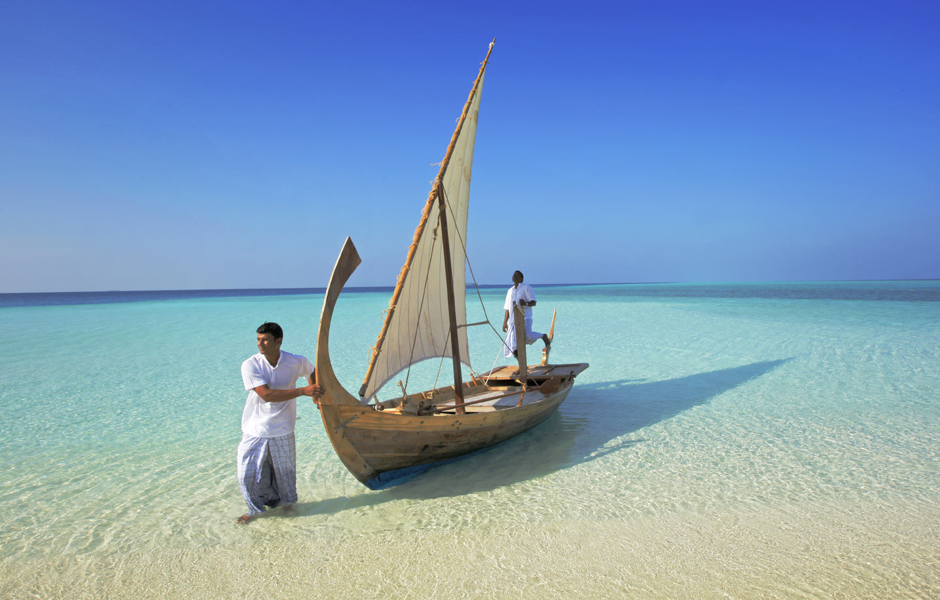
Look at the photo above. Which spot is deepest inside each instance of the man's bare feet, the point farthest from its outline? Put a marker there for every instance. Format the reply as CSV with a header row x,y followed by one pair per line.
x,y
244,519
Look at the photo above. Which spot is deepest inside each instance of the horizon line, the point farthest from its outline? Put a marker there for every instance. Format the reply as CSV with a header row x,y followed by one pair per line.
x,y
370,288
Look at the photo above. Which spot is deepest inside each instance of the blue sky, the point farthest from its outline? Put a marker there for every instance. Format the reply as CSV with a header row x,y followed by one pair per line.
x,y
236,144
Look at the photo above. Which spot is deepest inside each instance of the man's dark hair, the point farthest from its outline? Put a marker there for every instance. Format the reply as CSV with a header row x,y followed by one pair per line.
x,y
519,273
273,328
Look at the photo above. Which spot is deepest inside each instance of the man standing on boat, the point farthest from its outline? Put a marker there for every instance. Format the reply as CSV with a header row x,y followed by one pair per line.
x,y
267,459
521,294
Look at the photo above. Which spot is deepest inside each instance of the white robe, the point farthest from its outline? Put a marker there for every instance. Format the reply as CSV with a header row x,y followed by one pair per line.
x,y
513,296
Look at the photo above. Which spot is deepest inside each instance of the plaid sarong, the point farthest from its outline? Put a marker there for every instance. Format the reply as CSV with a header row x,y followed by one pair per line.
x,y
267,472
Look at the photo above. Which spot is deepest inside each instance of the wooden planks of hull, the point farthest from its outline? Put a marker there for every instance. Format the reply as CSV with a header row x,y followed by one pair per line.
x,y
410,441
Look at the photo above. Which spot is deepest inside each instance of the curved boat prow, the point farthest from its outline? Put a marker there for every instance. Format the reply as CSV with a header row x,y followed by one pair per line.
x,y
337,406
345,266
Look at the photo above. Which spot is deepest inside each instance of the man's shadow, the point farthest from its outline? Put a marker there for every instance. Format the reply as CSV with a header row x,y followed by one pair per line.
x,y
582,430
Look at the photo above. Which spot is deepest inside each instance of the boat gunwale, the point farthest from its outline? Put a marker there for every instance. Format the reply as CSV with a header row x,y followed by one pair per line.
x,y
368,418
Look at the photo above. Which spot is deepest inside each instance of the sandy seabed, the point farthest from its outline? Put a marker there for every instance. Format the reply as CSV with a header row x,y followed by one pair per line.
x,y
821,551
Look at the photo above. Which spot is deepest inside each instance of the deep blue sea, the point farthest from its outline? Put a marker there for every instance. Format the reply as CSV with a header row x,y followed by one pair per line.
x,y
727,441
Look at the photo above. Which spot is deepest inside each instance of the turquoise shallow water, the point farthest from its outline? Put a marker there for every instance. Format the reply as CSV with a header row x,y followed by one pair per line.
x,y
727,441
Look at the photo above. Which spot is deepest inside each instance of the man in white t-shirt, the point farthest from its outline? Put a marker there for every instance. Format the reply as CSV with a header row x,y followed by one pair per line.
x,y
267,459
521,294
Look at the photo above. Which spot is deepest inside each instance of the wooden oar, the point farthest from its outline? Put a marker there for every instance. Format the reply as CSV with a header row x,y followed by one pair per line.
x,y
551,337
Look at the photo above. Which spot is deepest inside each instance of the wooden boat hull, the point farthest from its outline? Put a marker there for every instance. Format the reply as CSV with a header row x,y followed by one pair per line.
x,y
381,446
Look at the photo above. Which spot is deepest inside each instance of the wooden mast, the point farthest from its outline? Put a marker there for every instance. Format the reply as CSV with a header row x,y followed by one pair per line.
x,y
434,195
451,308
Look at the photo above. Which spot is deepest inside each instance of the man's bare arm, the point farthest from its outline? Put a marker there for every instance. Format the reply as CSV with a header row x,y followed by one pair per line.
x,y
269,395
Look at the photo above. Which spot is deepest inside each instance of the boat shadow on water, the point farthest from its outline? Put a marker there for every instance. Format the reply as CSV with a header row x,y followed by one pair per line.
x,y
590,424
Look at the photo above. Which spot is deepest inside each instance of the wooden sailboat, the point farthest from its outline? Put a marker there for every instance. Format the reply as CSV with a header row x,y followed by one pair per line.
x,y
382,441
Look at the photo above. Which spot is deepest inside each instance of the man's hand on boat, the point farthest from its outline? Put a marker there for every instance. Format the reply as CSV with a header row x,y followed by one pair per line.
x,y
314,391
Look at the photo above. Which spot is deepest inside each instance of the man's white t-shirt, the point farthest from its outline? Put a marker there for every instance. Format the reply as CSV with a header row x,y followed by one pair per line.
x,y
515,294
272,419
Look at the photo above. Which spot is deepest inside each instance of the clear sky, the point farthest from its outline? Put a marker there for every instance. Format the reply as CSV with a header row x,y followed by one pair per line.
x,y
195,145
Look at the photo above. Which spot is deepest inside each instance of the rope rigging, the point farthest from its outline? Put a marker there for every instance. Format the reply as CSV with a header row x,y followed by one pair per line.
x,y
476,286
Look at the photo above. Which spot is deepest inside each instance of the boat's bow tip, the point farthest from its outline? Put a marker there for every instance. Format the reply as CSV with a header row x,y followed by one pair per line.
x,y
349,249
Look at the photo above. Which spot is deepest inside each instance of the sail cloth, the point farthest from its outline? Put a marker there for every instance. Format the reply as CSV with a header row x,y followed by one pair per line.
x,y
418,326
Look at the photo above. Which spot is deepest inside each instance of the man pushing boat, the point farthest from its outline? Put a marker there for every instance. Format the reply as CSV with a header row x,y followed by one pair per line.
x,y
267,459
520,294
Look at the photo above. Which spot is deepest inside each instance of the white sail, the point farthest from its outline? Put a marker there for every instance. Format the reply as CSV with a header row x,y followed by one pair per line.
x,y
418,327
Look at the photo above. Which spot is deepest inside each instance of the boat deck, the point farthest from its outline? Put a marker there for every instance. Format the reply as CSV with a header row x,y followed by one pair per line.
x,y
506,390
494,390
510,373
493,400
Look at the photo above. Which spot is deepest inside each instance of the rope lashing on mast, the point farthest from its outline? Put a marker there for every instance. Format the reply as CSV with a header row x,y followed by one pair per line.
x,y
401,275
380,337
